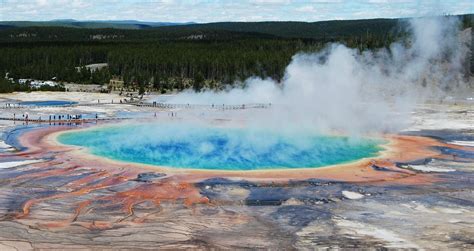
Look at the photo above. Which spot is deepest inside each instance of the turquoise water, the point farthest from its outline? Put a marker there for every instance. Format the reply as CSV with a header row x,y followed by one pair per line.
x,y
47,103
203,147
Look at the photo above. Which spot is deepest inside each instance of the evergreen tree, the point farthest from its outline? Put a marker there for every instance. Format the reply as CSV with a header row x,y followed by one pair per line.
x,y
198,83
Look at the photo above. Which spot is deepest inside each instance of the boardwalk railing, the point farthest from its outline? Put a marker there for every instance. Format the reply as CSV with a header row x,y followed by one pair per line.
x,y
157,105
19,106
202,106
74,121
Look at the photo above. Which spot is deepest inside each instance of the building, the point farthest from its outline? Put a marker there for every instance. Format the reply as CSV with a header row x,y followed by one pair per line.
x,y
23,80
93,67
115,84
40,83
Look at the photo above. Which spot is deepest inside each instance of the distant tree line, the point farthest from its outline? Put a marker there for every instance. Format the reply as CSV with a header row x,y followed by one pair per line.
x,y
90,31
164,65
169,59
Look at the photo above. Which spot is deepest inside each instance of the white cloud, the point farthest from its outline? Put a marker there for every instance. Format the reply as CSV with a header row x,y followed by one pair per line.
x,y
225,10
306,8
271,1
326,1
41,2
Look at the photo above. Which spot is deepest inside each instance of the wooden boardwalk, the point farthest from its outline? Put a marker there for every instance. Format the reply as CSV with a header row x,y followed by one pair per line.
x,y
153,105
62,121
206,106
18,106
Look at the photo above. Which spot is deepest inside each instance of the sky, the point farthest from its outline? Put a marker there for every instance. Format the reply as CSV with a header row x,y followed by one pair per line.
x,y
203,11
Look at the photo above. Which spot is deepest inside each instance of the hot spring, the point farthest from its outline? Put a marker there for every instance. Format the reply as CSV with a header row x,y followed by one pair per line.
x,y
219,148
47,103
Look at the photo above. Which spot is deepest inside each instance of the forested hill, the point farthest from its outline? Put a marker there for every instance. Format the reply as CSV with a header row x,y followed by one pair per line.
x,y
315,30
328,30
62,34
71,23
178,57
148,31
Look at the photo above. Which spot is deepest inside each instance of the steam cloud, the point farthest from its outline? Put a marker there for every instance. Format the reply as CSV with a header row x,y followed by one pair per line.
x,y
337,89
342,89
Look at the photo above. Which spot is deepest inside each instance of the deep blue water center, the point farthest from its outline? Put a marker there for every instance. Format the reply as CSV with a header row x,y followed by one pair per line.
x,y
48,103
203,147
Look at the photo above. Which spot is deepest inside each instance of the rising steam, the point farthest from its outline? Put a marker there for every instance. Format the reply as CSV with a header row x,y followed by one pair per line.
x,y
342,89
